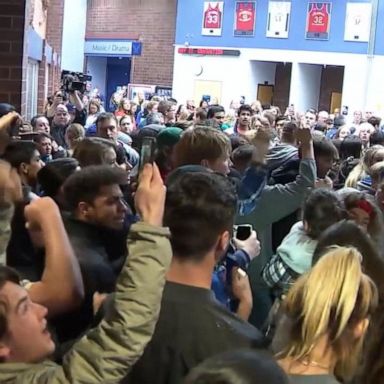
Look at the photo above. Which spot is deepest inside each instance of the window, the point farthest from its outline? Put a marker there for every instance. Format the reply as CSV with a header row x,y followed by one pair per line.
x,y
32,88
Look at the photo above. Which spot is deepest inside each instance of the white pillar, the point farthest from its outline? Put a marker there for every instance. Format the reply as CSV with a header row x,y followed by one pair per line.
x,y
74,26
305,86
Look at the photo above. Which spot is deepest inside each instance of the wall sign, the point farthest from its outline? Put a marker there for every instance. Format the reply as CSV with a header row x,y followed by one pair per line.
x,y
112,48
245,18
212,18
209,51
318,21
358,22
278,19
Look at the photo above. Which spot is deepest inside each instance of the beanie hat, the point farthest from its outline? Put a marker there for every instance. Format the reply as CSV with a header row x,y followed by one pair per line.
x,y
169,137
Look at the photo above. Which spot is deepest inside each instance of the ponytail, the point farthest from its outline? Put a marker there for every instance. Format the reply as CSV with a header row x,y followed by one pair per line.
x,y
330,300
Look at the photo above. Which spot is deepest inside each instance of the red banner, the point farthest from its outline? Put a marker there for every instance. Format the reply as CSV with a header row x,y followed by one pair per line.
x,y
245,17
318,21
212,18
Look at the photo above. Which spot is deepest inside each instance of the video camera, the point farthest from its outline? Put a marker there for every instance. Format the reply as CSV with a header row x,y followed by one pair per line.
x,y
74,81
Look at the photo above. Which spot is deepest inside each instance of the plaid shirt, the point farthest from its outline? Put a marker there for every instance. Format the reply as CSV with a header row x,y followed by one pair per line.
x,y
279,276
6,214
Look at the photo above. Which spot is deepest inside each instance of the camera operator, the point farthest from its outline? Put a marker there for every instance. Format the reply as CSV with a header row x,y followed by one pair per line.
x,y
60,116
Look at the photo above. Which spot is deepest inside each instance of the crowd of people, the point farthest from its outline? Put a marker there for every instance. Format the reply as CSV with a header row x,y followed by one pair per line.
x,y
247,247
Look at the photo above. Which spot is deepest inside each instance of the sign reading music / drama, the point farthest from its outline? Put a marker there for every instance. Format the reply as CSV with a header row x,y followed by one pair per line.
x,y
318,20
112,48
358,22
278,19
245,17
212,18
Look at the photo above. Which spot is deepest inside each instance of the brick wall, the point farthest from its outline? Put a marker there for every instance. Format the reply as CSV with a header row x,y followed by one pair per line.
x,y
151,21
12,58
54,38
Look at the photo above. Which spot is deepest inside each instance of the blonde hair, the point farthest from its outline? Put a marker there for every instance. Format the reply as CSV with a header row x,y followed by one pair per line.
x,y
363,167
330,300
201,143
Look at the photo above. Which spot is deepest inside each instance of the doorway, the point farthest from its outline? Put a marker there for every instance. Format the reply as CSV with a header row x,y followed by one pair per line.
x,y
208,88
118,74
265,94
331,88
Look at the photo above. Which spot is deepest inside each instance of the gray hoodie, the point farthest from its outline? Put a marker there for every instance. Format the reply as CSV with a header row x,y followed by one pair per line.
x,y
280,154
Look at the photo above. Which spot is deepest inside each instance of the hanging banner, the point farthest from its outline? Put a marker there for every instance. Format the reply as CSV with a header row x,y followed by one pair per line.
x,y
245,18
318,21
358,22
278,19
212,18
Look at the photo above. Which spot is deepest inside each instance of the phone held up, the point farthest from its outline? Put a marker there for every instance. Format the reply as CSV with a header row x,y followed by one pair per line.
x,y
148,149
242,232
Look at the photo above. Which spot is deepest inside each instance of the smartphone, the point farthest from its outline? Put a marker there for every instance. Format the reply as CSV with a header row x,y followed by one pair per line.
x,y
243,232
147,154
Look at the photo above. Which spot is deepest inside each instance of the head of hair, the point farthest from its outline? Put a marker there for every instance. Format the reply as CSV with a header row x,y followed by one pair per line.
x,y
94,102
237,141
377,174
270,117
201,144
311,110
35,118
213,110
375,121
6,275
85,185
320,126
122,102
324,147
237,367
339,121
165,106
92,151
288,133
347,233
350,147
183,124
53,175
199,207
201,114
353,198
376,138
126,117
6,108
150,105
105,116
330,300
322,208
42,136
152,130
245,107
18,152
154,118
242,156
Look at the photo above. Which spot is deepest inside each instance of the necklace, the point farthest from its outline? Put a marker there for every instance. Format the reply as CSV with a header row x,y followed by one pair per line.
x,y
313,363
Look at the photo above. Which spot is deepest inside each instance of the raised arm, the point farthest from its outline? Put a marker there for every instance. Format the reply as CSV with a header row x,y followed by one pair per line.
x,y
279,201
106,354
61,287
10,192
255,177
